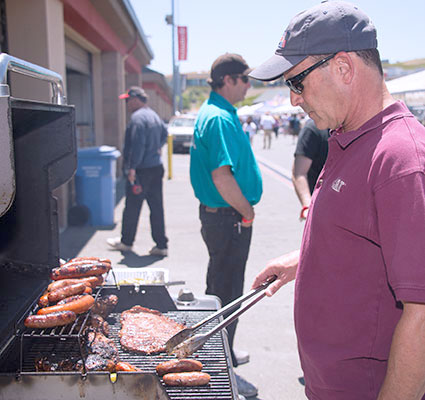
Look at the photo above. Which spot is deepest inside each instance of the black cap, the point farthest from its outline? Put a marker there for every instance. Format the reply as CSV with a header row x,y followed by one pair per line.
x,y
330,27
228,64
135,91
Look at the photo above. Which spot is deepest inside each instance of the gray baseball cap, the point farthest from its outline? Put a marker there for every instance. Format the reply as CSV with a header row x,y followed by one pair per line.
x,y
330,27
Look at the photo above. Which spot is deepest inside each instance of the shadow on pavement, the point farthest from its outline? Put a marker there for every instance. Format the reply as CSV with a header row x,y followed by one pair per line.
x,y
133,260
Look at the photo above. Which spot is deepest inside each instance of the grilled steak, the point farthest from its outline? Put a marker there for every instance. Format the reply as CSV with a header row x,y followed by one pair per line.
x,y
94,362
100,345
104,305
99,324
54,363
146,331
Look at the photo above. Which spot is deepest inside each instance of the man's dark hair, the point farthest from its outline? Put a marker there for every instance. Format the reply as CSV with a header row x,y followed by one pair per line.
x,y
370,57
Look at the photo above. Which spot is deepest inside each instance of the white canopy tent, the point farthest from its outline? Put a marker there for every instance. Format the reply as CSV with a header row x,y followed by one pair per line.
x,y
409,88
245,111
409,83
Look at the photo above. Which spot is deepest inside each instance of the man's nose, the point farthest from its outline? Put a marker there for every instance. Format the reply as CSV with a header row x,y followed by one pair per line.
x,y
296,99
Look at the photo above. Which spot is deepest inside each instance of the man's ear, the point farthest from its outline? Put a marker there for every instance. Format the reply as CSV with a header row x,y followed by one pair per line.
x,y
228,80
344,66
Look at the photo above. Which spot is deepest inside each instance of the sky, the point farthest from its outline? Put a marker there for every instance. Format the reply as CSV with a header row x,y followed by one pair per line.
x,y
253,28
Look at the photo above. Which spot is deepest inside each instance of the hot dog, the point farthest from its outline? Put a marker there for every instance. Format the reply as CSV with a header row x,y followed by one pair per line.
x,y
44,300
79,271
76,259
82,262
186,379
50,320
125,366
93,281
183,365
72,298
79,306
67,291
88,290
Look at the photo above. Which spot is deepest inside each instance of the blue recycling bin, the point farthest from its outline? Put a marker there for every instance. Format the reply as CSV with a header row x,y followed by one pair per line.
x,y
95,183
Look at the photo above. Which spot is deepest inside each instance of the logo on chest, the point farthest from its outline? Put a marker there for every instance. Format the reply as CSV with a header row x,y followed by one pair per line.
x,y
338,184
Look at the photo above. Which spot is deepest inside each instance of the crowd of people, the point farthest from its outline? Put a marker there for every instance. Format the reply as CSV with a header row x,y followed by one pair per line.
x,y
359,173
269,125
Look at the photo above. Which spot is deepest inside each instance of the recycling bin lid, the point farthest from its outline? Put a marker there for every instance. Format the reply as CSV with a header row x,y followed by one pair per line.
x,y
99,151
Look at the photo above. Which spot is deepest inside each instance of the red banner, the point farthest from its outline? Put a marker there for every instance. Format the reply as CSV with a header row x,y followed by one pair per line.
x,y
182,39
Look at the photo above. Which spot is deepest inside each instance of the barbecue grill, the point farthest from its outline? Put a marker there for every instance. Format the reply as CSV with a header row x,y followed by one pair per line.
x,y
41,157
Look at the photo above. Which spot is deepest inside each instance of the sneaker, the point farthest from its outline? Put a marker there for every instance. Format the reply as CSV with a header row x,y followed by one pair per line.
x,y
116,244
242,357
245,388
156,251
240,397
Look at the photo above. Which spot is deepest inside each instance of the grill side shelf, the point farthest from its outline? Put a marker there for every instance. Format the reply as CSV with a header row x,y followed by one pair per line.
x,y
72,332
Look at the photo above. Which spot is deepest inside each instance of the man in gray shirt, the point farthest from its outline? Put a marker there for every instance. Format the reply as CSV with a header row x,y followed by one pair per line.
x,y
144,137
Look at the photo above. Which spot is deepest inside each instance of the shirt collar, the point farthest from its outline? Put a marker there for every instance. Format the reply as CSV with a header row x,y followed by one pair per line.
x,y
393,111
221,101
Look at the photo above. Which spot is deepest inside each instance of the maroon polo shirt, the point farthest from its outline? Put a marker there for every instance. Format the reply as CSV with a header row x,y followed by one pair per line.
x,y
363,252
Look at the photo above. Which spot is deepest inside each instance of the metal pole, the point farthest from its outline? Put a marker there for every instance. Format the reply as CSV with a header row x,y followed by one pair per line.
x,y
174,57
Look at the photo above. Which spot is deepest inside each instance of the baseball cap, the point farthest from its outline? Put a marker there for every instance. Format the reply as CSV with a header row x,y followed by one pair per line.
x,y
228,64
329,27
134,91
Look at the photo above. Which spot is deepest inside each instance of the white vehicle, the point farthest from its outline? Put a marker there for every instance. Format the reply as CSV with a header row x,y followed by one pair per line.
x,y
181,127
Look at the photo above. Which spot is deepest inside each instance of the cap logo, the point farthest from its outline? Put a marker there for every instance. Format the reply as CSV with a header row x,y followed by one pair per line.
x,y
283,39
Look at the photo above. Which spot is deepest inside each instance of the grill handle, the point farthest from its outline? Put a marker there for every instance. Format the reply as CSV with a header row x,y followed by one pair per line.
x,y
10,63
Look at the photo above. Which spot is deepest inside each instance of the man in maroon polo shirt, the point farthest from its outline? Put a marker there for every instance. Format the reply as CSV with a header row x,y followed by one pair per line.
x,y
360,273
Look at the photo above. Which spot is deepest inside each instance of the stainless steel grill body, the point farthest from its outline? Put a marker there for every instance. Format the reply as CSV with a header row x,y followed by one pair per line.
x,y
63,343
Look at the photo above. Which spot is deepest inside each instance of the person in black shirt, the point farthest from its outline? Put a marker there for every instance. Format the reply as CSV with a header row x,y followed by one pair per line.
x,y
310,156
144,137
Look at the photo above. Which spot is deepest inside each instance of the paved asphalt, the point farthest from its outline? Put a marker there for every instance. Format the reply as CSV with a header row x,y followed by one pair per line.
x,y
266,330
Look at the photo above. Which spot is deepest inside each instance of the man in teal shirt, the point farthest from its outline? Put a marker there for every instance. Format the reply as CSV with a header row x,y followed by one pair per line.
x,y
227,181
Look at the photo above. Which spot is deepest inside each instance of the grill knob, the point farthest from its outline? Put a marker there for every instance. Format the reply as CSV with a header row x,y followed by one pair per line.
x,y
185,295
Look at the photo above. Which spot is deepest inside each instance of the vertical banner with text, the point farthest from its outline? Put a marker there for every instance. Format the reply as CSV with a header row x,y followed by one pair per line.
x,y
182,40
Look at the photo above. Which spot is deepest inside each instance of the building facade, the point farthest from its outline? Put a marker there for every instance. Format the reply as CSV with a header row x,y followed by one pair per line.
x,y
99,48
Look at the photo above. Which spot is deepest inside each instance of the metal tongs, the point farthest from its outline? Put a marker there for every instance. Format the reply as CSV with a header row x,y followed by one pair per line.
x,y
183,344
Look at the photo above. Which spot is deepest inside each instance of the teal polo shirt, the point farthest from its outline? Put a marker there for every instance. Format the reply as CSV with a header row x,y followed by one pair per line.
x,y
218,141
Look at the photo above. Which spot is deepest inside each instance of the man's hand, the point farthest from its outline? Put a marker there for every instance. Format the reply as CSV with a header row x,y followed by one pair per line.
x,y
284,267
229,189
131,176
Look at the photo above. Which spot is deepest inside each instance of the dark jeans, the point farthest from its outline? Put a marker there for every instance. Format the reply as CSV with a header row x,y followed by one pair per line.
x,y
228,247
151,181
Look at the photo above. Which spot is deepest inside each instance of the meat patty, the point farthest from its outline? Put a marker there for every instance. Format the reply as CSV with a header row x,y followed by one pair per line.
x,y
146,331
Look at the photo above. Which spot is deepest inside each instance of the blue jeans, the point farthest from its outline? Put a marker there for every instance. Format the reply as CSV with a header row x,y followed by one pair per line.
x,y
228,247
151,181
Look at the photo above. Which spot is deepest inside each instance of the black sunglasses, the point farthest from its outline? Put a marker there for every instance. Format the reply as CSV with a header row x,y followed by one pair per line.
x,y
295,83
244,78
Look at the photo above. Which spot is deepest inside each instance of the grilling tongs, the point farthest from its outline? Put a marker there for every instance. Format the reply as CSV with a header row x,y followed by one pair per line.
x,y
183,345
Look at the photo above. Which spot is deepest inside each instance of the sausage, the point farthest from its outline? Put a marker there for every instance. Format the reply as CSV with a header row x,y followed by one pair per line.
x,y
125,366
43,301
88,290
79,271
62,293
50,320
72,298
76,259
186,379
82,262
183,365
93,281
79,306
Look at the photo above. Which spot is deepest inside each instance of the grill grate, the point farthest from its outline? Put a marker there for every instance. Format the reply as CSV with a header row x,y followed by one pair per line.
x,y
212,356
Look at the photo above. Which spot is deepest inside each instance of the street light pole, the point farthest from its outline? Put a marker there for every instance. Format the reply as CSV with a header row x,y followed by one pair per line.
x,y
174,56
